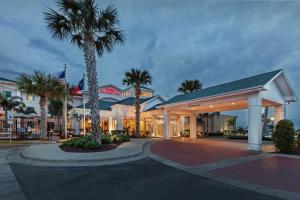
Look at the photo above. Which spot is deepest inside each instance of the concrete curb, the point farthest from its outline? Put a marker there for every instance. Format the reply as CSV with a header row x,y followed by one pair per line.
x,y
80,162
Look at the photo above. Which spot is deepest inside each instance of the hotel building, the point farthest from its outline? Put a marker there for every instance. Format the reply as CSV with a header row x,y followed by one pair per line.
x,y
184,114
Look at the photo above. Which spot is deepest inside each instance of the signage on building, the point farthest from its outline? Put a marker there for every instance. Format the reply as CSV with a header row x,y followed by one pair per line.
x,y
109,90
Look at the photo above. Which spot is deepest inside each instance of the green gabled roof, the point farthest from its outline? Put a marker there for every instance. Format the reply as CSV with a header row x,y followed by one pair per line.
x,y
103,105
130,101
6,80
234,86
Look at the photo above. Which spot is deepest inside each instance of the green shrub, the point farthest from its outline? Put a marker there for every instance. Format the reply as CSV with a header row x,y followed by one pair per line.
x,y
298,138
283,137
216,134
116,132
105,139
118,138
245,137
85,142
241,130
91,145
123,137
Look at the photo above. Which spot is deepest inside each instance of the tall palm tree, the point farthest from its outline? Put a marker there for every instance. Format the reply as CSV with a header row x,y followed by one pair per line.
x,y
190,86
13,103
44,86
137,78
92,30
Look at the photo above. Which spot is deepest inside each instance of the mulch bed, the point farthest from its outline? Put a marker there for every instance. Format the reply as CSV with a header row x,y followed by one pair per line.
x,y
103,147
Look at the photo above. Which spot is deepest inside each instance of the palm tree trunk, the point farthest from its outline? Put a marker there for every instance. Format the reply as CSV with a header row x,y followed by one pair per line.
x,y
90,60
43,128
137,110
265,123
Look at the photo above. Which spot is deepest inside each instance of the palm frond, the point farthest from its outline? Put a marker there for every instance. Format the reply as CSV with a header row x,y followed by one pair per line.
x,y
57,24
108,18
77,39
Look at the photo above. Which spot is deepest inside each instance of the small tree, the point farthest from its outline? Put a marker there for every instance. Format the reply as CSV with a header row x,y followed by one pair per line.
x,y
283,137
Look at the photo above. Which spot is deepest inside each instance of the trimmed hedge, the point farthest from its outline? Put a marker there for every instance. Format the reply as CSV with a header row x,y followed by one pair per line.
x,y
216,134
284,136
245,137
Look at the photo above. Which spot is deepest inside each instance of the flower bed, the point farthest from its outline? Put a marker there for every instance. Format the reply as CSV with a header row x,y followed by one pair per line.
x,y
86,144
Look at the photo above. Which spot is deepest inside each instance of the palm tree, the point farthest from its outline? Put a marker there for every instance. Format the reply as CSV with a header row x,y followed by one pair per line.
x,y
137,78
92,30
190,86
13,103
44,86
232,122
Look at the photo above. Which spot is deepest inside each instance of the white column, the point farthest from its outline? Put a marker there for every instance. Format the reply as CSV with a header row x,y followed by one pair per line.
x,y
110,124
166,116
76,126
119,123
153,126
254,122
193,126
278,113
179,125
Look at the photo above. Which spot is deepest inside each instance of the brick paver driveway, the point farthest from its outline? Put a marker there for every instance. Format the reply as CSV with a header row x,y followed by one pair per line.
x,y
277,172
200,151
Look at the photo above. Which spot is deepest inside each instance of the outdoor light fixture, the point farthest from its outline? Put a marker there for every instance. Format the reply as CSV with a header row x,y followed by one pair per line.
x,y
232,103
272,118
210,106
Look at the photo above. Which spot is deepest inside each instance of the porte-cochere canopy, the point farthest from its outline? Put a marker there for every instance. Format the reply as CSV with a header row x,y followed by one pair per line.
x,y
252,93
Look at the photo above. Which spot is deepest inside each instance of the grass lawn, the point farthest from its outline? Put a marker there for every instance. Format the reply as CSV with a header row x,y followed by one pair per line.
x,y
16,142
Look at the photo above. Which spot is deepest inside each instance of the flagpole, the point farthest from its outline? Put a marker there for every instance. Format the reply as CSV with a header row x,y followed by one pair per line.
x,y
66,106
83,93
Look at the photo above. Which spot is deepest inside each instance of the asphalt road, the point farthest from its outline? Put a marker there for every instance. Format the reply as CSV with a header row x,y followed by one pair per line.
x,y
144,179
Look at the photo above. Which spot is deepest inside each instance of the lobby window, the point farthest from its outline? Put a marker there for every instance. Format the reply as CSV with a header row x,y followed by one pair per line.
x,y
30,97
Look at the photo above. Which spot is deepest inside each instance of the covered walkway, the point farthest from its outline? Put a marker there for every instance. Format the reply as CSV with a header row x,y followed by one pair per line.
x,y
270,89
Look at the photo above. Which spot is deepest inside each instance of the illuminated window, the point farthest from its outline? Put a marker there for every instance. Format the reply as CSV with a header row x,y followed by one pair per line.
x,y
30,97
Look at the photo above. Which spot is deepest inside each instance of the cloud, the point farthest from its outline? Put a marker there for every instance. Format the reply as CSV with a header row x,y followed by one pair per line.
x,y
214,42
42,44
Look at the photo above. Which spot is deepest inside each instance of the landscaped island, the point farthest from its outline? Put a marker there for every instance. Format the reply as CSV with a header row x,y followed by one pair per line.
x,y
86,144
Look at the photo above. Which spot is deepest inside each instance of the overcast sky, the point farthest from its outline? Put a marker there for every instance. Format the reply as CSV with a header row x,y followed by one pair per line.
x,y
213,41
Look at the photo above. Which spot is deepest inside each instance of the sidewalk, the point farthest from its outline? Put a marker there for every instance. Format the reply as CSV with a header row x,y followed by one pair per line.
x,y
52,155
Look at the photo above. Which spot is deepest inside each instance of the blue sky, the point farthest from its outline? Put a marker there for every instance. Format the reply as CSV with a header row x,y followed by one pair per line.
x,y
213,41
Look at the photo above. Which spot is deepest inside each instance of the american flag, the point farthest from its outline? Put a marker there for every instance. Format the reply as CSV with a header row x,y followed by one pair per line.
x,y
62,77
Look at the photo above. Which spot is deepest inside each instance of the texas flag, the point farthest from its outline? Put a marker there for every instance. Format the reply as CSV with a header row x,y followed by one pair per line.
x,y
77,90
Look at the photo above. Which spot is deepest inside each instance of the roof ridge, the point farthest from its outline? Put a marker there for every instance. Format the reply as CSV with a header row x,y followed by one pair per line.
x,y
232,81
257,80
6,79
